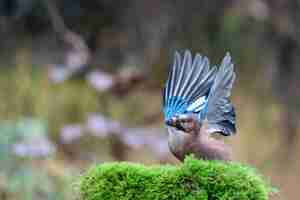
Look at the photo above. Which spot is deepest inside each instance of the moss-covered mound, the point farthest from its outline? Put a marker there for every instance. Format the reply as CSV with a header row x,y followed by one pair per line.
x,y
193,180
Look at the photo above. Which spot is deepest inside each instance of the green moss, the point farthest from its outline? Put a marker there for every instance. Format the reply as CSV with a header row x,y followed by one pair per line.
x,y
193,180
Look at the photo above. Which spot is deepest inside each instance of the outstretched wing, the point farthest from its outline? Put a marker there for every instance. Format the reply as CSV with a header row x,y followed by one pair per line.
x,y
220,112
188,84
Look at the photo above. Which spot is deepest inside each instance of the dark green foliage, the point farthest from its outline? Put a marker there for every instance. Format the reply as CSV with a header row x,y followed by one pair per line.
x,y
193,180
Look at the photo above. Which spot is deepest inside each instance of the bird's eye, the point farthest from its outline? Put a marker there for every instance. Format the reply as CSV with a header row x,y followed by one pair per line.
x,y
179,127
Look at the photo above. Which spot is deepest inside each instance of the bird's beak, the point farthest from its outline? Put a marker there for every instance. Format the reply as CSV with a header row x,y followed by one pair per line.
x,y
170,122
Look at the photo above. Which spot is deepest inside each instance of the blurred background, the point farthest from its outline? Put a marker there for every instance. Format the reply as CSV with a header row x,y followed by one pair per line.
x,y
81,84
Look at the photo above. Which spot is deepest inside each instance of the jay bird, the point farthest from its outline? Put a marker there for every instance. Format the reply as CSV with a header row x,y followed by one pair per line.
x,y
195,94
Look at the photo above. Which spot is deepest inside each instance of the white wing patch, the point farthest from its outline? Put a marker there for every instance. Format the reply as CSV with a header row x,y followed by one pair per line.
x,y
197,105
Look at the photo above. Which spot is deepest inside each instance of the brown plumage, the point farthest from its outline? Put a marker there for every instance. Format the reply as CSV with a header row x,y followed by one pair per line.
x,y
198,142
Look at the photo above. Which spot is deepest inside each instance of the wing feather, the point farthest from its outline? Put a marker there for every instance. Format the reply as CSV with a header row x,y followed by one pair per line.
x,y
220,112
188,81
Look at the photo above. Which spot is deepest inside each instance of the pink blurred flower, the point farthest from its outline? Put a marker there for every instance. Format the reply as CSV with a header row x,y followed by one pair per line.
x,y
134,138
100,126
101,81
35,147
71,132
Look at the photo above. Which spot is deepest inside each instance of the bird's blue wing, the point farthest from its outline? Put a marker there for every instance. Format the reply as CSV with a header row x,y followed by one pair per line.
x,y
220,112
188,84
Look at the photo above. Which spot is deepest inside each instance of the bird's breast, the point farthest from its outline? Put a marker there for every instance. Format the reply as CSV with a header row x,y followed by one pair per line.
x,y
177,141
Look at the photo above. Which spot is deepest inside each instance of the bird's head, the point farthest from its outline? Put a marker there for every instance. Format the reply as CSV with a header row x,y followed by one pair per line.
x,y
187,123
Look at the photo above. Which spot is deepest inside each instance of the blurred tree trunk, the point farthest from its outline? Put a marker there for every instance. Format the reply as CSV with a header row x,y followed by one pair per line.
x,y
78,54
117,148
284,38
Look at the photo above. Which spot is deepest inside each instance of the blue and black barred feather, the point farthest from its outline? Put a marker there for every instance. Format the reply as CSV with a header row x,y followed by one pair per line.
x,y
188,85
